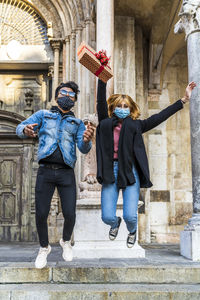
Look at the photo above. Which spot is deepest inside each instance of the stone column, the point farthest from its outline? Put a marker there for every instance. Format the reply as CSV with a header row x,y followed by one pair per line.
x,y
67,59
190,23
105,32
72,55
56,45
78,69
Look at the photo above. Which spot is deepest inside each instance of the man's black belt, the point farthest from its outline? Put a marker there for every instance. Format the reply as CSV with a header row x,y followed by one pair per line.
x,y
54,166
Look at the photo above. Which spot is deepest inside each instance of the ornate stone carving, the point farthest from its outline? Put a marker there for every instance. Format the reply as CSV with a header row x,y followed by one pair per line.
x,y
28,110
50,71
89,183
190,17
49,30
56,43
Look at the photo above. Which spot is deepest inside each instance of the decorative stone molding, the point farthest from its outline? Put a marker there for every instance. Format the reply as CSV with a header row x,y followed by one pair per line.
x,y
190,18
89,186
50,71
28,110
49,30
56,44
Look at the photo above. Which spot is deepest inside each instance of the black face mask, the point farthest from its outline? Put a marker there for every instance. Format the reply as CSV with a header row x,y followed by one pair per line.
x,y
65,102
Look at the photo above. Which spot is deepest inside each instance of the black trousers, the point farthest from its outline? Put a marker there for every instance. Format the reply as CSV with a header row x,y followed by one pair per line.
x,y
46,182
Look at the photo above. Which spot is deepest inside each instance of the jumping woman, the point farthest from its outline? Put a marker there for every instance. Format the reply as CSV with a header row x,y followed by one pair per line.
x,y
121,157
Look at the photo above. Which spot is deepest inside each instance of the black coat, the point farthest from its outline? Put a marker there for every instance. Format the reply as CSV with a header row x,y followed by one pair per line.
x,y
131,147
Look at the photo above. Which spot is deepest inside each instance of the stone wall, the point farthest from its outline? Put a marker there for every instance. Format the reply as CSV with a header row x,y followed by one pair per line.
x,y
170,199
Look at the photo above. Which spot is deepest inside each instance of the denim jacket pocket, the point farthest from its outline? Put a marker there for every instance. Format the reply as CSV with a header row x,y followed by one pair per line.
x,y
50,121
71,127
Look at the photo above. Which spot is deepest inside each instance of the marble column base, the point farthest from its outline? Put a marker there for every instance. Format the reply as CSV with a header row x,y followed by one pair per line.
x,y
190,244
106,249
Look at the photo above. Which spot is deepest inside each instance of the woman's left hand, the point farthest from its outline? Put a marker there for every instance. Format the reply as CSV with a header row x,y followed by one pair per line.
x,y
88,133
188,91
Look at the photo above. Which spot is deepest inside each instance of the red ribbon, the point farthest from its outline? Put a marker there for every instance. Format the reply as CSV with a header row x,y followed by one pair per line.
x,y
99,70
101,56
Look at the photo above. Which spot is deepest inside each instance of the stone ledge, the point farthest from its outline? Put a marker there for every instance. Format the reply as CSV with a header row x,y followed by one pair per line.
x,y
92,273
99,292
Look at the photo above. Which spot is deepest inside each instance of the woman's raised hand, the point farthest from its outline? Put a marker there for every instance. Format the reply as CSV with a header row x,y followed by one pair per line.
x,y
188,91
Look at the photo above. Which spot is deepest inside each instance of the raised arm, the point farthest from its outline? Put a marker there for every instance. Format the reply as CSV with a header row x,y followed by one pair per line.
x,y
102,109
157,119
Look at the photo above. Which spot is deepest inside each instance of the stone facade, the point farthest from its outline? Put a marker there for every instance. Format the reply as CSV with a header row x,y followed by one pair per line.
x,y
28,83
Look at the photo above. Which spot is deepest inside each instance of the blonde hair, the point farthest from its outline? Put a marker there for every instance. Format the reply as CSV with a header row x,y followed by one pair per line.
x,y
116,99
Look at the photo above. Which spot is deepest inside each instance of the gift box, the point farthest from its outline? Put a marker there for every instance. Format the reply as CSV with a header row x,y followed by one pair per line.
x,y
99,67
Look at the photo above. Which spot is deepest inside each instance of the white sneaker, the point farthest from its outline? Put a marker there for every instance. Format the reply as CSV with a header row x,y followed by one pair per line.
x,y
67,250
41,259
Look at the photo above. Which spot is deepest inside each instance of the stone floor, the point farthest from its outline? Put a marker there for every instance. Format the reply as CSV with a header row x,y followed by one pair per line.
x,y
155,255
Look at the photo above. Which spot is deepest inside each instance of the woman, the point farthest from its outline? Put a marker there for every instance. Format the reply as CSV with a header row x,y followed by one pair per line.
x,y
121,157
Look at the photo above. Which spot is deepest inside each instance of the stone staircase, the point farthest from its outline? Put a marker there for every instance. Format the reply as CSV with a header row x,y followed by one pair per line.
x,y
100,280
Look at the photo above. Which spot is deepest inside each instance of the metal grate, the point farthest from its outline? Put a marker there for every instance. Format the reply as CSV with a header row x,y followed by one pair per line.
x,y
20,21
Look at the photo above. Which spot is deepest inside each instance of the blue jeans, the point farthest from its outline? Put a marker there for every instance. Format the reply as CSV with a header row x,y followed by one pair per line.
x,y
109,198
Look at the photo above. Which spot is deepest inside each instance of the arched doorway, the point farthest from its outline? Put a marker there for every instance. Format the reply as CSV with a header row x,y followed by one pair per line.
x,y
15,184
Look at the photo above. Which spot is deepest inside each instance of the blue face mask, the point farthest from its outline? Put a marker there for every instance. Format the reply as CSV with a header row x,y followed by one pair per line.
x,y
122,113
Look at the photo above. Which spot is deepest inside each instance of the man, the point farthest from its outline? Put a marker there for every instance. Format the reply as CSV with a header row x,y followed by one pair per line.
x,y
58,131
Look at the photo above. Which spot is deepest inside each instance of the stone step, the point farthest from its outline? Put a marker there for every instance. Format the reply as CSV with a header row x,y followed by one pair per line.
x,y
98,272
106,249
99,292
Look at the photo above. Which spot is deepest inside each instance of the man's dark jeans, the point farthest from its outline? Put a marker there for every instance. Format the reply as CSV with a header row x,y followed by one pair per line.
x,y
47,180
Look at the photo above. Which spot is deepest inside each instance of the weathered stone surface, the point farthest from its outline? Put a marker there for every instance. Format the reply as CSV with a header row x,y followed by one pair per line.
x,y
183,213
21,275
101,292
159,196
190,241
145,274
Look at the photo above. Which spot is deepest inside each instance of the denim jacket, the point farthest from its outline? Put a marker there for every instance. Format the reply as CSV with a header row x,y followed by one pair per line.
x,y
54,130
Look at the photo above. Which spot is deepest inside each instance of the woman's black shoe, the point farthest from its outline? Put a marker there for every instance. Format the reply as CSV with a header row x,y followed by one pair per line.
x,y
131,239
114,231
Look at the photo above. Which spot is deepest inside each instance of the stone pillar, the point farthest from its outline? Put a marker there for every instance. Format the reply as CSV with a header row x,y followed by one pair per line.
x,y
190,23
105,32
67,59
56,45
72,55
78,69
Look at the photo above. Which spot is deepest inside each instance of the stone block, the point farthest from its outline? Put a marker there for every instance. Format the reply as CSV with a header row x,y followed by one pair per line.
x,y
142,273
157,145
159,213
182,183
102,292
183,211
160,181
5,295
24,275
169,238
158,164
189,244
159,196
107,249
183,196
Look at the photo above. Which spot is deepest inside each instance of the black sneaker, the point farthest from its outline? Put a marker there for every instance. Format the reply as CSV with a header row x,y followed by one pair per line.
x,y
114,231
131,239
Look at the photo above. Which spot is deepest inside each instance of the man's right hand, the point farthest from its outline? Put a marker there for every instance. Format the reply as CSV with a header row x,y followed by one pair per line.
x,y
29,130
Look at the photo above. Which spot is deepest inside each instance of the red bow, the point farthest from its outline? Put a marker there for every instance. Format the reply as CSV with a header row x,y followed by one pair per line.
x,y
101,55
